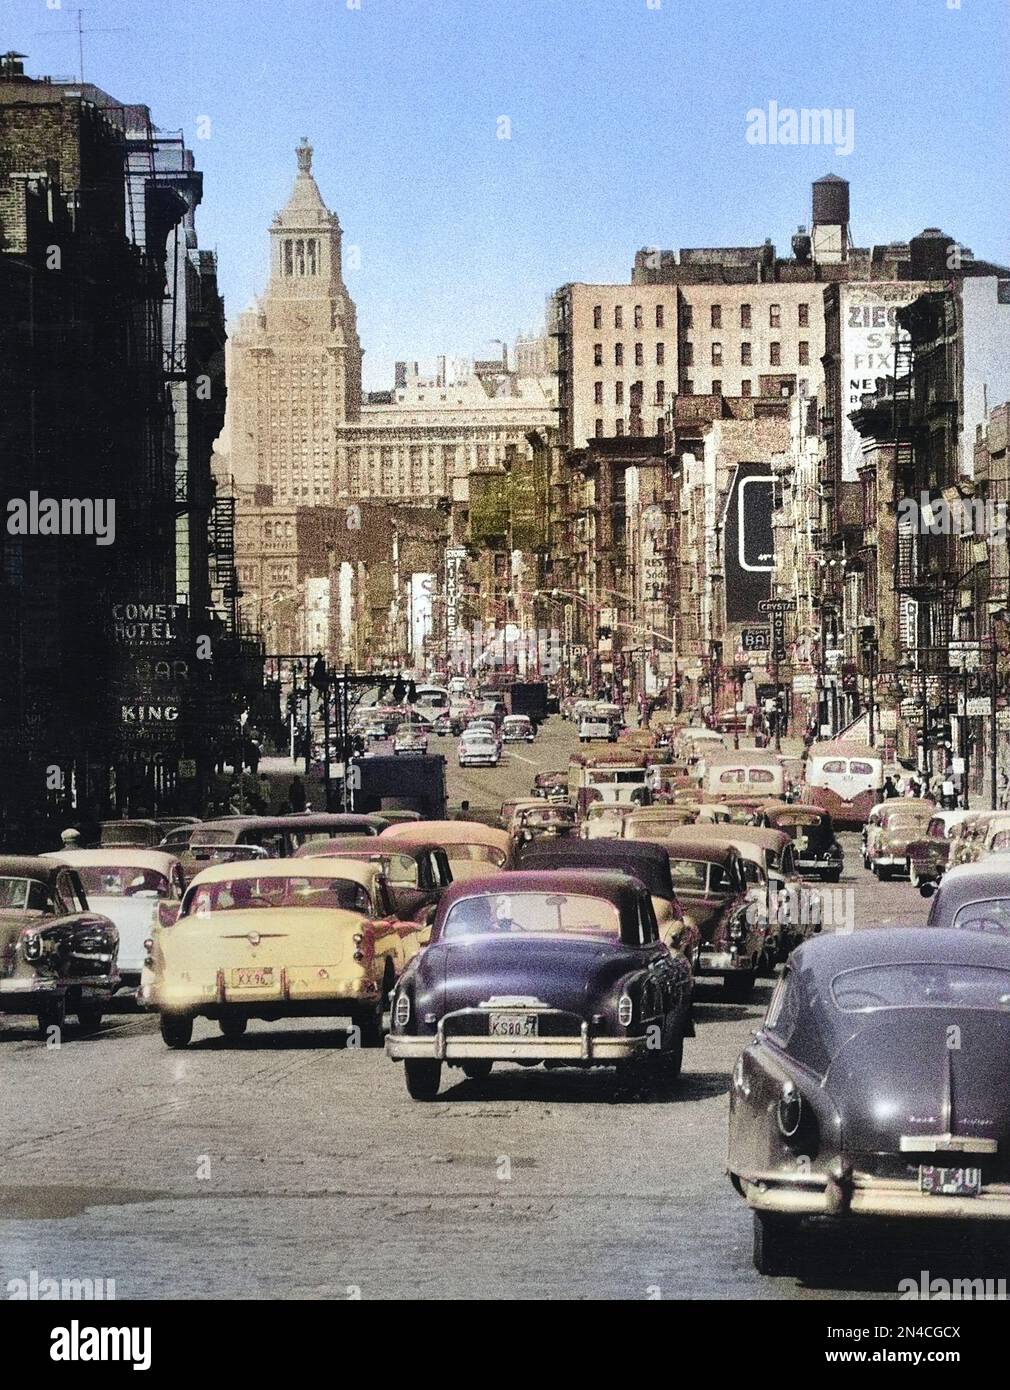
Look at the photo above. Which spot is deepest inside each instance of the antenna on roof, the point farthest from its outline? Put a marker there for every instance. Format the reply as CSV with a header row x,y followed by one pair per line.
x,y
81,31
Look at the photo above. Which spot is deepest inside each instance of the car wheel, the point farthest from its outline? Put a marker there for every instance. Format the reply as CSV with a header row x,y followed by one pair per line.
x,y
774,1242
478,1070
53,1014
176,1030
673,1059
232,1028
423,1078
833,876
89,1019
883,871
370,1026
739,986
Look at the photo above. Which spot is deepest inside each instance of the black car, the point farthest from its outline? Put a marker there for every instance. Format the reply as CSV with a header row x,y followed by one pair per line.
x,y
876,1086
563,967
973,896
818,853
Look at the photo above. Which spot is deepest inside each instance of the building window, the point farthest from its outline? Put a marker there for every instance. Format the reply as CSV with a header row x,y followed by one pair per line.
x,y
689,354
717,354
745,388
618,354
687,315
289,268
618,316
619,428
659,316
745,316
299,257
619,393
804,315
804,357
660,425
638,315
716,315
599,429
639,355
775,354
716,386
597,354
660,354
660,392
688,387
774,315
803,388
745,355
312,255
598,393
598,316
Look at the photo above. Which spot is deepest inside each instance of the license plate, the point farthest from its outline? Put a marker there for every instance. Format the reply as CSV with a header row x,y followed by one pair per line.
x,y
950,1182
252,977
512,1026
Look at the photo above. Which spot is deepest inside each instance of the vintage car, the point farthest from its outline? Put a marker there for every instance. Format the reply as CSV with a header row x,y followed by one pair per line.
x,y
928,856
790,907
532,824
416,869
987,841
550,786
711,884
968,838
306,938
656,822
605,820
818,853
510,808
136,889
130,834
473,849
478,748
649,863
600,721
973,896
232,838
57,955
563,967
518,728
901,822
851,1100
410,738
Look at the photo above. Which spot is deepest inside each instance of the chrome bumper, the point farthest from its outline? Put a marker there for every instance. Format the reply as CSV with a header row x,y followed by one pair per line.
x,y
570,1048
817,1194
721,963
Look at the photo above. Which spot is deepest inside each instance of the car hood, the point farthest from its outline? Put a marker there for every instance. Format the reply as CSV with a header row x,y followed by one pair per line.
x,y
904,1076
564,971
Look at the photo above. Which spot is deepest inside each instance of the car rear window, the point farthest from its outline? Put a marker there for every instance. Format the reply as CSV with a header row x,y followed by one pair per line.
x,y
122,881
287,891
921,985
532,914
992,916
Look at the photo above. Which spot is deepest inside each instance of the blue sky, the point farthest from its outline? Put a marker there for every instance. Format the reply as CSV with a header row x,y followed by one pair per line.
x,y
628,129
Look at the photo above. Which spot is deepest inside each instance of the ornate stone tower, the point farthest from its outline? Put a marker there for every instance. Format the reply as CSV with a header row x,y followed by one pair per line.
x,y
295,359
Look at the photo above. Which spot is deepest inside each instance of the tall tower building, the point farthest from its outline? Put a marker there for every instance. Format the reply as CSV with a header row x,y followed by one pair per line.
x,y
295,368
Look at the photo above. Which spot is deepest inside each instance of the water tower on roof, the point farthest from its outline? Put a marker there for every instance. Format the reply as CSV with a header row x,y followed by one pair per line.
x,y
830,229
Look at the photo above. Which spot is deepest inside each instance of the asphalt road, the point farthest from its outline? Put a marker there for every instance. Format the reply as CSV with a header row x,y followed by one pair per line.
x,y
290,1166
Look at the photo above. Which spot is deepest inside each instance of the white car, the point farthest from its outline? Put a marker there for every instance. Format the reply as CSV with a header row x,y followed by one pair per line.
x,y
410,738
478,748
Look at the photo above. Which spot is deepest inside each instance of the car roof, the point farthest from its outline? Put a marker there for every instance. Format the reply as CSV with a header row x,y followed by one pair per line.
x,y
359,871
785,808
111,856
829,953
616,887
695,842
30,866
644,860
448,832
762,836
128,820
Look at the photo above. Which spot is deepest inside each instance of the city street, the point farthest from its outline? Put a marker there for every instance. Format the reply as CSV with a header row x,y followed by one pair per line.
x,y
288,1165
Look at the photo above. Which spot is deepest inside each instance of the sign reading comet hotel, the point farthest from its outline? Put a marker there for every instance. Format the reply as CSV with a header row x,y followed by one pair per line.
x,y
869,325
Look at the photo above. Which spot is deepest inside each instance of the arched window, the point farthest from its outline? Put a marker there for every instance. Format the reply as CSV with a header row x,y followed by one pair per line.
x,y
287,258
312,256
299,257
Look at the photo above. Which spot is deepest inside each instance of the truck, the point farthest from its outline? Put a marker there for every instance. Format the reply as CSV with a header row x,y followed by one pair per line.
x,y
529,697
383,783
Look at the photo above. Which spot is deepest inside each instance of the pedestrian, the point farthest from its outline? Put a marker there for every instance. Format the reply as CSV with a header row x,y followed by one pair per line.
x,y
70,838
1003,790
948,791
296,794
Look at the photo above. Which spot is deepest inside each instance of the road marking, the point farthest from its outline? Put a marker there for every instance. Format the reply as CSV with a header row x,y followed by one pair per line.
x,y
530,761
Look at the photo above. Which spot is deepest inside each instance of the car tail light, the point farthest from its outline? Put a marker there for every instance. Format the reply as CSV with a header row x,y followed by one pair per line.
x,y
790,1111
625,1010
401,1010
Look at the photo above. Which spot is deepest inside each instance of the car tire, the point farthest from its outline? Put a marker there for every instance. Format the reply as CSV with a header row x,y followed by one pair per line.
x,y
478,1070
423,1078
53,1014
739,986
774,1242
673,1059
883,872
833,876
89,1019
370,1026
176,1030
232,1028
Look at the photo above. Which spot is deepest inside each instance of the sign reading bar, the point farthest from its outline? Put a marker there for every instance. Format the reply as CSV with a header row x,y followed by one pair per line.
x,y
755,639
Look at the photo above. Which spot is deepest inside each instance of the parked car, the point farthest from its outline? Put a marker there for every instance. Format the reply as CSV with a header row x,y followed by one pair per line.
x,y
818,853
562,967
410,738
303,938
130,834
790,907
928,856
57,955
898,825
973,896
478,748
473,849
851,1101
416,870
136,889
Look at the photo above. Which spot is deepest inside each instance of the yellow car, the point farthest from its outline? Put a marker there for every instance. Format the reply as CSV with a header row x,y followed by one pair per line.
x,y
282,938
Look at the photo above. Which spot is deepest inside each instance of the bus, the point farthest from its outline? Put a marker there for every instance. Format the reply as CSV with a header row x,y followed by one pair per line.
x,y
846,779
617,777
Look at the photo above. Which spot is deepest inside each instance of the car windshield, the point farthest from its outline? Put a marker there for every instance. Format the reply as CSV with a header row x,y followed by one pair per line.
x,y
698,876
532,914
22,895
288,891
123,881
991,916
921,985
476,854
213,837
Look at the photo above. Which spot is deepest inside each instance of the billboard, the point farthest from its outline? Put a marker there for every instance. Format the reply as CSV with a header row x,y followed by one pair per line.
x,y
869,324
748,541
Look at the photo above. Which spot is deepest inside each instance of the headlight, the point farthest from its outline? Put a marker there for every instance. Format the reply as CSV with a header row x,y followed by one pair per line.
x,y
401,1011
625,1010
31,944
790,1111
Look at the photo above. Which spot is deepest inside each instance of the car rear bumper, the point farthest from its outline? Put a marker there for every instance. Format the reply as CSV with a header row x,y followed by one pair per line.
x,y
293,989
890,861
582,1048
722,963
867,1195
